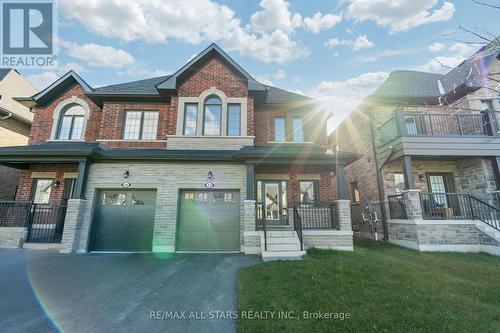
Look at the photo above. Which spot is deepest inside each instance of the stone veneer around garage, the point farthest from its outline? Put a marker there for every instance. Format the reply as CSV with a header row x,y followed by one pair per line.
x,y
166,179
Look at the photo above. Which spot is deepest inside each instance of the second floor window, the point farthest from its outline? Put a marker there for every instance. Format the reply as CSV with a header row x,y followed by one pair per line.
x,y
233,119
298,129
140,125
212,116
279,129
190,117
71,123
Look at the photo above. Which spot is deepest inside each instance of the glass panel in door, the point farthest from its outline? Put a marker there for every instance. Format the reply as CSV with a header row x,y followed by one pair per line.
x,y
437,185
272,202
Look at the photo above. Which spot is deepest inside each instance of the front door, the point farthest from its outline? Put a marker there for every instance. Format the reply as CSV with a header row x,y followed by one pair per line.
x,y
272,202
441,183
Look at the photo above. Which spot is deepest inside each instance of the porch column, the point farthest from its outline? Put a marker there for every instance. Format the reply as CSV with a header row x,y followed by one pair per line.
x,y
342,194
81,180
412,204
408,173
250,182
75,233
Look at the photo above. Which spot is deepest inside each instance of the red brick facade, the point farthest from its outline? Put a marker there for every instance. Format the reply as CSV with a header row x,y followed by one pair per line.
x,y
106,125
26,181
314,127
113,116
327,192
214,74
43,118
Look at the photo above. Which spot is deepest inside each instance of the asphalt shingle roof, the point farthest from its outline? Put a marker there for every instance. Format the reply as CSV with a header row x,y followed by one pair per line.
x,y
404,83
277,95
4,72
146,86
409,83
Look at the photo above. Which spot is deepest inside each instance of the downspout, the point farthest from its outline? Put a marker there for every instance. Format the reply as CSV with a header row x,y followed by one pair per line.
x,y
380,187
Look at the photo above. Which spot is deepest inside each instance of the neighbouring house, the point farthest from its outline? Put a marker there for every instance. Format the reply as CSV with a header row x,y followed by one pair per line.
x,y
205,159
431,154
15,124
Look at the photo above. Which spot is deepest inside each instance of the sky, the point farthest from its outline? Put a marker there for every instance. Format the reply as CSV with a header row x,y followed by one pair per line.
x,y
336,51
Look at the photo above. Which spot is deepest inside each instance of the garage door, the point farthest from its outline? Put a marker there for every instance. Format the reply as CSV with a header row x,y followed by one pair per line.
x,y
209,221
124,221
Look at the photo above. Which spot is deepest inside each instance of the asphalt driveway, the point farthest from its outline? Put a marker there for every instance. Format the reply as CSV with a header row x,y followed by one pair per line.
x,y
43,292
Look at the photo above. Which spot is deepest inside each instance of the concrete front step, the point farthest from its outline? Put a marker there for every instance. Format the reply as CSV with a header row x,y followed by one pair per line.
x,y
282,255
282,234
283,240
283,247
43,246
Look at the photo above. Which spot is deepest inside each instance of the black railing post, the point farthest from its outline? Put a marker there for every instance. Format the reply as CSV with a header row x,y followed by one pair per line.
x,y
31,216
470,205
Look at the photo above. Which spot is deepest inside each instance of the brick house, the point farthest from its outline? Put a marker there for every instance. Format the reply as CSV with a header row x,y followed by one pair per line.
x,y
15,124
431,154
206,159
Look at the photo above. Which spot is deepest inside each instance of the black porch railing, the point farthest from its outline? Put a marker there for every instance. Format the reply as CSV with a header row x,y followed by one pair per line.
x,y
320,215
45,223
14,213
460,124
297,226
458,206
397,208
485,212
438,206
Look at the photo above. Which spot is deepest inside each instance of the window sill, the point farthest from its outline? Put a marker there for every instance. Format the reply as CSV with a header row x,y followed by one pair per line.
x,y
56,140
129,140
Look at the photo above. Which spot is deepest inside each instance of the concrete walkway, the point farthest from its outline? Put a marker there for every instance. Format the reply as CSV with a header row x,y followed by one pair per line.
x,y
43,292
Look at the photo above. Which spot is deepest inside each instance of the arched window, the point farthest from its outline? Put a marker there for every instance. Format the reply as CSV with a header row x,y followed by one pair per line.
x,y
71,123
212,115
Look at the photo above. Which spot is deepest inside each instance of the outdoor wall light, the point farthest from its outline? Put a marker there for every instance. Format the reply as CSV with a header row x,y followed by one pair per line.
x,y
56,183
210,175
421,177
126,174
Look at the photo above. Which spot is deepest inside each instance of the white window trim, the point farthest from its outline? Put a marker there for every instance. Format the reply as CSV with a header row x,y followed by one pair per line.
x,y
200,100
57,115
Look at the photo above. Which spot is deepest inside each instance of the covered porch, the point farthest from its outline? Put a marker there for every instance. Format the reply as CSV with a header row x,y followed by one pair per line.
x,y
298,191
50,190
443,204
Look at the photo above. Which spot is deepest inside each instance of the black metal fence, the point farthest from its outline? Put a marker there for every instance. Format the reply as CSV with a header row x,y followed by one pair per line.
x,y
45,223
438,206
14,213
397,207
321,215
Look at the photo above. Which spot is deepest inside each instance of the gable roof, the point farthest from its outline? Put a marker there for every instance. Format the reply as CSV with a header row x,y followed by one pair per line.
x,y
53,90
172,81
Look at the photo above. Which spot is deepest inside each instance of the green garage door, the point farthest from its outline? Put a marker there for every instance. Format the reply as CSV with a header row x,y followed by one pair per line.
x,y
124,221
209,221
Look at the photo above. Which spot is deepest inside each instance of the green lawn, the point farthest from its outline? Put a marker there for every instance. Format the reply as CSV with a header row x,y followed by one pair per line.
x,y
384,288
